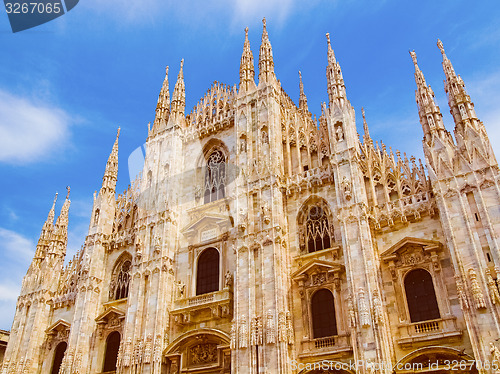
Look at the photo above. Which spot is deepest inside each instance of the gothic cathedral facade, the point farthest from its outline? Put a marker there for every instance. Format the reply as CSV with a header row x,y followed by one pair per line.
x,y
259,239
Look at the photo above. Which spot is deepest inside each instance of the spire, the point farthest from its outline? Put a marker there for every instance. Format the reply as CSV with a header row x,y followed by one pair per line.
x,y
179,95
331,55
366,136
266,63
247,71
302,97
430,115
60,239
163,106
47,230
335,81
461,105
111,172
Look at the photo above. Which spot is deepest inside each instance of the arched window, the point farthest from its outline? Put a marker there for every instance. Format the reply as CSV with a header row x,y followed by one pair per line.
x,y
420,295
323,314
317,230
207,277
111,354
58,357
215,177
120,279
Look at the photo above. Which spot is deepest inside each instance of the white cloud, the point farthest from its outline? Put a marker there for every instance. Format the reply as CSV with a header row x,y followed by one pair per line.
x,y
15,245
29,131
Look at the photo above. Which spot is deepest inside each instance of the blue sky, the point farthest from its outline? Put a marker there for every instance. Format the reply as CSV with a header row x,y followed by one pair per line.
x,y
67,85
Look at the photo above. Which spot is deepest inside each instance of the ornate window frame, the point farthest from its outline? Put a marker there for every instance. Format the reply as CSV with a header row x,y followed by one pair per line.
x,y
212,146
310,278
116,273
407,255
303,217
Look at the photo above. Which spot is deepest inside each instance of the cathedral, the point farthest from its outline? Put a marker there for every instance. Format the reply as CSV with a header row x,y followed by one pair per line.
x,y
261,239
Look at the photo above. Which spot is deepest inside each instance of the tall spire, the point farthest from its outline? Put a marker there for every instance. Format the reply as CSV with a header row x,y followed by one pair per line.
x,y
62,221
111,172
266,62
179,95
247,71
430,115
366,137
163,106
461,105
335,81
302,97
47,230
59,240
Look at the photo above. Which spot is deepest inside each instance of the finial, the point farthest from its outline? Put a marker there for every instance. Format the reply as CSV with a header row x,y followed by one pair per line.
x,y
55,199
300,76
363,114
413,57
67,195
328,38
246,31
182,63
264,22
440,46
118,133
166,70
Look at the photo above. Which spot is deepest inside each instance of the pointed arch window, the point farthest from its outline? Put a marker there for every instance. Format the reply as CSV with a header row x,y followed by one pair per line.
x,y
111,354
120,280
215,176
317,229
323,314
420,296
58,357
207,275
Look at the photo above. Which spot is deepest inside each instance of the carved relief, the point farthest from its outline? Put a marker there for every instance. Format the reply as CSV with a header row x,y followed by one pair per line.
x,y
364,313
282,328
492,288
202,354
243,333
477,293
233,335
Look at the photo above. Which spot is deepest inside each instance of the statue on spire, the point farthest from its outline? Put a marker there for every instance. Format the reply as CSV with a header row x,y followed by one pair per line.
x,y
266,62
247,72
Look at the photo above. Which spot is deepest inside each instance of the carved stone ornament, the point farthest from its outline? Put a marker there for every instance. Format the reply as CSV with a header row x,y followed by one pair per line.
x,y
282,330
270,328
204,353
318,279
243,332
492,288
462,296
233,335
477,293
364,313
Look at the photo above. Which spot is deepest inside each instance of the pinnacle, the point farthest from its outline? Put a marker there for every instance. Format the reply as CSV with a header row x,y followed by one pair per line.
x,y
365,126
331,54
440,46
414,58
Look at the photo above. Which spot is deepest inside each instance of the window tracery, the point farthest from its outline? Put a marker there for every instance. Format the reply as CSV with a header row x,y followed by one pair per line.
x,y
318,235
215,176
120,280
